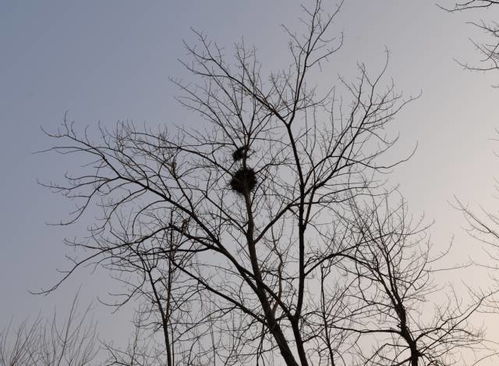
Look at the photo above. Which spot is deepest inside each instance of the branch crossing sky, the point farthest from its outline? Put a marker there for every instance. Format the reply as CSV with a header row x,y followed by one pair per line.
x,y
111,60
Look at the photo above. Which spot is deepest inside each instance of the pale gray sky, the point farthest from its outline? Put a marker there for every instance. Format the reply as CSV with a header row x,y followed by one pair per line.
x,y
111,60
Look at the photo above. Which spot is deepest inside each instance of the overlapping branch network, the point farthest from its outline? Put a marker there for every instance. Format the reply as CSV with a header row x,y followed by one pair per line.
x,y
266,236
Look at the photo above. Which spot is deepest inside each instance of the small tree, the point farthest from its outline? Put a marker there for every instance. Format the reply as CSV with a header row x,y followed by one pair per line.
x,y
49,342
267,237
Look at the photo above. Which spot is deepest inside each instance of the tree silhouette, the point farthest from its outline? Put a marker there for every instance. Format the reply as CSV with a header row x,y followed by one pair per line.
x,y
488,50
50,342
267,236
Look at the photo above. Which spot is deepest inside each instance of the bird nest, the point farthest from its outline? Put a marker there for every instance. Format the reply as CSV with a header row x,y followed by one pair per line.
x,y
240,153
243,181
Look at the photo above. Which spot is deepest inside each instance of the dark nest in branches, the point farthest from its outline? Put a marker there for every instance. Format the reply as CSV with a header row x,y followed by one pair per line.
x,y
243,181
240,153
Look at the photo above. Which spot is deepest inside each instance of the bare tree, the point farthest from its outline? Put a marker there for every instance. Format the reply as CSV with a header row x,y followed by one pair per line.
x,y
484,226
139,352
394,307
488,50
262,238
50,343
166,293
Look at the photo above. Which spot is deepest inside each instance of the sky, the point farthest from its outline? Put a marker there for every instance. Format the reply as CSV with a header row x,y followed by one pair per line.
x,y
105,61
